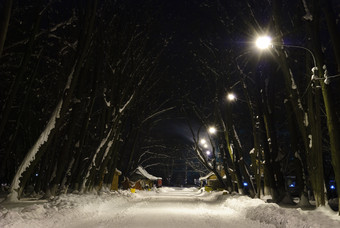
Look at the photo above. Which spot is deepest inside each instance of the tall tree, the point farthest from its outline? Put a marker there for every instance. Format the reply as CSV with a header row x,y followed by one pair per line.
x,y
6,15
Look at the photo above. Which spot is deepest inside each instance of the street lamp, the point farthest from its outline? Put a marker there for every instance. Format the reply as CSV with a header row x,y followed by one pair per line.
x,y
264,42
203,141
212,130
231,97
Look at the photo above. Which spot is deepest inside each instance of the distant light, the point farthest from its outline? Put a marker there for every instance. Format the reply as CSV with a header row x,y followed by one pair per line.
x,y
245,184
36,174
212,130
231,97
292,185
203,141
205,145
263,42
208,152
332,187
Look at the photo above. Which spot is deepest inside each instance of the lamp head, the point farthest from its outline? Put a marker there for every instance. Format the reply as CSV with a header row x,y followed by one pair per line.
x,y
203,141
212,130
263,42
231,97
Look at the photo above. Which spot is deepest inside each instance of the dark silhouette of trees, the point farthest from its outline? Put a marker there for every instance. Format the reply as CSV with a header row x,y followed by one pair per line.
x,y
85,84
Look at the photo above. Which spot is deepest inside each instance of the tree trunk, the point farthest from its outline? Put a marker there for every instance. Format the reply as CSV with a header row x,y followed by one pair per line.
x,y
299,164
315,159
4,21
256,154
229,153
333,29
241,163
57,117
273,150
269,180
6,109
23,111
66,151
332,120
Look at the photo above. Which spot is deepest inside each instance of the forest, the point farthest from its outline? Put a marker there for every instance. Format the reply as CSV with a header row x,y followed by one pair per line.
x,y
89,86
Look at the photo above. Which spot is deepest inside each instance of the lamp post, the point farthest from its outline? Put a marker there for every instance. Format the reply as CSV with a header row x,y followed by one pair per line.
x,y
312,146
264,42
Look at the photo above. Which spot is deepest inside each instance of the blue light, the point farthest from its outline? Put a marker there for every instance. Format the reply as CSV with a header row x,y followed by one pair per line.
x,y
245,184
36,174
332,187
292,185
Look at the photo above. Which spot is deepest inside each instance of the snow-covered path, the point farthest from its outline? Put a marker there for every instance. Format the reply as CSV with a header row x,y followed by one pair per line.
x,y
180,208
166,207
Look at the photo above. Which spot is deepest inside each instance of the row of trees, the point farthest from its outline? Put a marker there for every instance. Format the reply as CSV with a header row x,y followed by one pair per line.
x,y
84,83
287,89
81,78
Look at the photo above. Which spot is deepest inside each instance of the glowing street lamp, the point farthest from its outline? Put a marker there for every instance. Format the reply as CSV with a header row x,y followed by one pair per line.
x,y
212,130
203,141
264,42
231,97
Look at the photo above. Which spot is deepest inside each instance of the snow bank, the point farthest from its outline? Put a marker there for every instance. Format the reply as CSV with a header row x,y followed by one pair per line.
x,y
271,213
62,210
161,207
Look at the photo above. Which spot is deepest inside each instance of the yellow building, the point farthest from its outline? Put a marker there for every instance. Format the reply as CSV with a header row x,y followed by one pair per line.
x,y
210,180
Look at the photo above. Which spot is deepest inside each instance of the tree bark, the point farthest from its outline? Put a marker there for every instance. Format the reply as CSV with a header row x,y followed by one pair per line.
x,y
333,29
28,164
332,120
6,109
4,22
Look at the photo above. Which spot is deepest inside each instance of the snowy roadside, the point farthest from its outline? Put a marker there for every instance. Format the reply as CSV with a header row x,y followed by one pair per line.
x,y
107,208
271,213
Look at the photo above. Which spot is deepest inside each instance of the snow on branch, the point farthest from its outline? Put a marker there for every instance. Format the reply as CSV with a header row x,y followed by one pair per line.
x,y
30,157
93,162
157,113
127,103
308,16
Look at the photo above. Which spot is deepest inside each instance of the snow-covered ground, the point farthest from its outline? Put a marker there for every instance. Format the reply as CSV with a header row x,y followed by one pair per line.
x,y
164,207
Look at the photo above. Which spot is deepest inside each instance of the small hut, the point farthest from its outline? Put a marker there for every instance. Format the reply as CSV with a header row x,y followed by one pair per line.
x,y
211,181
141,179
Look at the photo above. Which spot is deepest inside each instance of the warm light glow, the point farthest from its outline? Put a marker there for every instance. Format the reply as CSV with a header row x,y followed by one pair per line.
x,y
263,42
212,130
231,97
203,141
205,145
